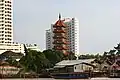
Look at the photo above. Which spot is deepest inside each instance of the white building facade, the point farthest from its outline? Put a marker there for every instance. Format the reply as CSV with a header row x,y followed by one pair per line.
x,y
73,35
9,70
14,47
6,24
32,47
6,28
48,39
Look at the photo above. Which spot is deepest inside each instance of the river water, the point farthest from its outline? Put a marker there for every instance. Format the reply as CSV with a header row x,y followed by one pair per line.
x,y
65,79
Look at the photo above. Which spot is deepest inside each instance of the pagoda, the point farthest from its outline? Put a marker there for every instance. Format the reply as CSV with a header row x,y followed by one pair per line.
x,y
60,36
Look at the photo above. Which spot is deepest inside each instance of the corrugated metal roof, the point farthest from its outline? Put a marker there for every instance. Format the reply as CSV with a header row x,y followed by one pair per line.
x,y
59,66
73,62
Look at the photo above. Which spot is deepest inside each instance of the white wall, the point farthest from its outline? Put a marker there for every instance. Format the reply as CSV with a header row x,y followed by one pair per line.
x,y
32,47
6,38
73,34
15,47
78,68
48,39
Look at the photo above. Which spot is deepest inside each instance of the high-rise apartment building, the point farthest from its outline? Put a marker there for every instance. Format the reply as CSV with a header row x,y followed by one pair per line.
x,y
6,25
73,34
48,39
70,33
6,28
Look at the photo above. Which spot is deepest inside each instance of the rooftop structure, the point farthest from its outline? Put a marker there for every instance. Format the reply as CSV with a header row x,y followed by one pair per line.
x,y
32,47
73,66
74,62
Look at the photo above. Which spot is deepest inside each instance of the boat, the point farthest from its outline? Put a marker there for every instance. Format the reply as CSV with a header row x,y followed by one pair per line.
x,y
74,75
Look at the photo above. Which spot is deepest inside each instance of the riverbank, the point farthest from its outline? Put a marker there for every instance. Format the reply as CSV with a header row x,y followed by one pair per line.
x,y
98,78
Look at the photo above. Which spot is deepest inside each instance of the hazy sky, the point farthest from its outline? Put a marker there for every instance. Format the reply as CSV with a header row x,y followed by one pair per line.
x,y
99,21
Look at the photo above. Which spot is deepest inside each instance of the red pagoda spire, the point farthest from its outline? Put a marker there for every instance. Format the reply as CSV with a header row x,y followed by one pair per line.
x,y
60,22
59,16
60,36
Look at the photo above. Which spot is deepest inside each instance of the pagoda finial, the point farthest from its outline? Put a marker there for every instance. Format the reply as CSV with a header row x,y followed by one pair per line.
x,y
59,16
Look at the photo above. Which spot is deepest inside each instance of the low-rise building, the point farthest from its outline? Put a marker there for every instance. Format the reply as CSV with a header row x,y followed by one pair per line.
x,y
73,66
32,47
14,47
7,69
115,68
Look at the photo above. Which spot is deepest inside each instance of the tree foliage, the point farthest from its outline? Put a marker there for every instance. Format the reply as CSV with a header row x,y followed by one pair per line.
x,y
37,61
89,56
34,61
53,56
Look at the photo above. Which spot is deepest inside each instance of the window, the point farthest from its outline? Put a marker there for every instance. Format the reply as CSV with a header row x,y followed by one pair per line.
x,y
1,7
75,67
1,24
2,0
1,17
1,4
1,14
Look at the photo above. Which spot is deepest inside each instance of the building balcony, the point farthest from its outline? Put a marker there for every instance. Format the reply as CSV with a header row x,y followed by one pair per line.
x,y
61,47
65,47
59,37
56,42
59,31
59,26
65,52
61,34
60,41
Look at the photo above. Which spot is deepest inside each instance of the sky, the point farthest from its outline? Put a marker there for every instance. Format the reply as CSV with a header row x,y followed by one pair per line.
x,y
99,21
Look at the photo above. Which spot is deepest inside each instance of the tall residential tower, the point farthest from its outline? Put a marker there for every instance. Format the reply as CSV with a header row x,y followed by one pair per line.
x,y
6,28
73,34
6,25
48,39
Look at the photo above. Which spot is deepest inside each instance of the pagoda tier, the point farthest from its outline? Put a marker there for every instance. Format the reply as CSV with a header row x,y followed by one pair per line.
x,y
61,47
65,52
60,41
58,37
59,23
59,31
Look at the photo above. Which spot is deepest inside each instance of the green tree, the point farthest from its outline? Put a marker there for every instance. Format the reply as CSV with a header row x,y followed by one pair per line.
x,y
118,50
34,61
71,56
89,56
53,56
